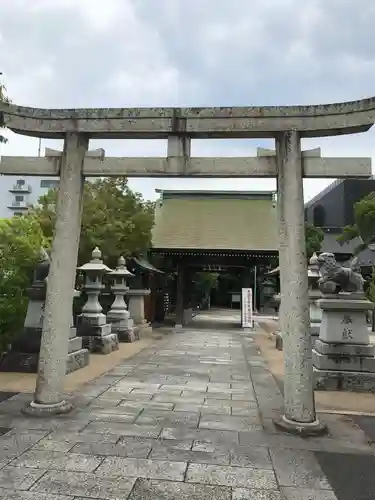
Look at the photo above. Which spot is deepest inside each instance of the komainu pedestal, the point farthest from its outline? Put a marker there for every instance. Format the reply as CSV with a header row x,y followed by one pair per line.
x,y
92,323
343,357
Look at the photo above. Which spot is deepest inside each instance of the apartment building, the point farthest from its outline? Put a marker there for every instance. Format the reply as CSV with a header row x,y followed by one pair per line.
x,y
18,194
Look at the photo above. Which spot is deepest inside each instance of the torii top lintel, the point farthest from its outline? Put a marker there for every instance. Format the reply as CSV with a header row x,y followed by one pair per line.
x,y
224,122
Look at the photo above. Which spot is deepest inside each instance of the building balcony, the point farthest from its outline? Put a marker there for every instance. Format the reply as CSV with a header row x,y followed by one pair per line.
x,y
19,205
20,188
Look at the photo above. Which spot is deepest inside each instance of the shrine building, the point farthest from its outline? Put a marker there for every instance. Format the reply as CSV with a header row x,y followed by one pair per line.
x,y
216,231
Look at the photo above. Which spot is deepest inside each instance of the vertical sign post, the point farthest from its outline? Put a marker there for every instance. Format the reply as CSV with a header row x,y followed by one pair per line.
x,y
247,320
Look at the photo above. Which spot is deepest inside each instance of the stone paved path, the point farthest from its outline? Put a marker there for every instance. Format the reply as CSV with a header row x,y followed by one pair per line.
x,y
188,419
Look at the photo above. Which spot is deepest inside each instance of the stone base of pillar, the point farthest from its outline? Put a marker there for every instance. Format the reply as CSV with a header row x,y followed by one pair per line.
x,y
27,362
332,380
124,330
127,336
101,344
35,409
143,331
77,359
302,429
97,335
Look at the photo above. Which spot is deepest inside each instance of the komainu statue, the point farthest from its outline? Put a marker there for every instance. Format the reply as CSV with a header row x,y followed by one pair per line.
x,y
335,278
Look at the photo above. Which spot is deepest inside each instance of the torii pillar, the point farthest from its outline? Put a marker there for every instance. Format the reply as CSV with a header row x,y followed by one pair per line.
x,y
299,404
48,397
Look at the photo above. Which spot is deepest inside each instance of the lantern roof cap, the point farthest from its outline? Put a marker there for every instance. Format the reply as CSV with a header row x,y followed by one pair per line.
x,y
96,264
121,269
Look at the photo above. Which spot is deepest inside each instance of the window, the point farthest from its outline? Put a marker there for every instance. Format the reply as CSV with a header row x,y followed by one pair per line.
x,y
20,182
319,216
17,214
19,197
49,183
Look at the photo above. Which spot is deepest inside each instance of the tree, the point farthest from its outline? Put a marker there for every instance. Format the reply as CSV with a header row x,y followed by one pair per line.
x,y
204,283
21,240
314,239
364,224
3,98
114,218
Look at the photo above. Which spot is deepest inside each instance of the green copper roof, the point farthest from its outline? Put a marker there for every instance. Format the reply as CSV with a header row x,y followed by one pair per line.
x,y
215,221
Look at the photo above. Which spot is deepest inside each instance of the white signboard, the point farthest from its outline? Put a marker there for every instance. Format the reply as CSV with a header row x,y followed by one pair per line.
x,y
247,308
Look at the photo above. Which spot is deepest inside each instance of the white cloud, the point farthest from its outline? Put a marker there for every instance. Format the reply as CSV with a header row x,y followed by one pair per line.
x,y
115,53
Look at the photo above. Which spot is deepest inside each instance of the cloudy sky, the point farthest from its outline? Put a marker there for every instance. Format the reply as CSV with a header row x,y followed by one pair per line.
x,y
124,53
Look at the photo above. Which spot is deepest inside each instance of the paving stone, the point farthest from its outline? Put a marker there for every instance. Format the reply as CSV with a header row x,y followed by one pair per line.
x,y
244,494
219,395
211,436
231,476
78,437
154,490
166,453
14,443
27,495
52,445
298,468
244,412
150,405
243,396
224,422
172,444
190,407
255,457
168,418
307,494
20,424
19,478
178,399
106,416
136,448
123,429
135,397
56,460
191,393
148,469
80,484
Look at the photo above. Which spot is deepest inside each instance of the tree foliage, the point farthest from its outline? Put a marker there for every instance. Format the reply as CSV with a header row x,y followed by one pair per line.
x,y
314,239
3,98
114,218
21,239
364,224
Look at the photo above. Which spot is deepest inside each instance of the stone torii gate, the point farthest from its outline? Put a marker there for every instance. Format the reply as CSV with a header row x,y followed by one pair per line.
x,y
287,125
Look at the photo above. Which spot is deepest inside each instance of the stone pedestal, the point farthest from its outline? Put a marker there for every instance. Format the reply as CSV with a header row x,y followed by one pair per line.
x,y
343,357
315,314
92,323
137,311
24,354
118,316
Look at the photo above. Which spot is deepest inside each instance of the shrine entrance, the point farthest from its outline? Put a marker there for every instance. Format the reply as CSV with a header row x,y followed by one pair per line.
x,y
200,235
287,125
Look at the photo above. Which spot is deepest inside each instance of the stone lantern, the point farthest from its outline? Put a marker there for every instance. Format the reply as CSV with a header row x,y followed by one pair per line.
x,y
92,323
24,354
118,315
